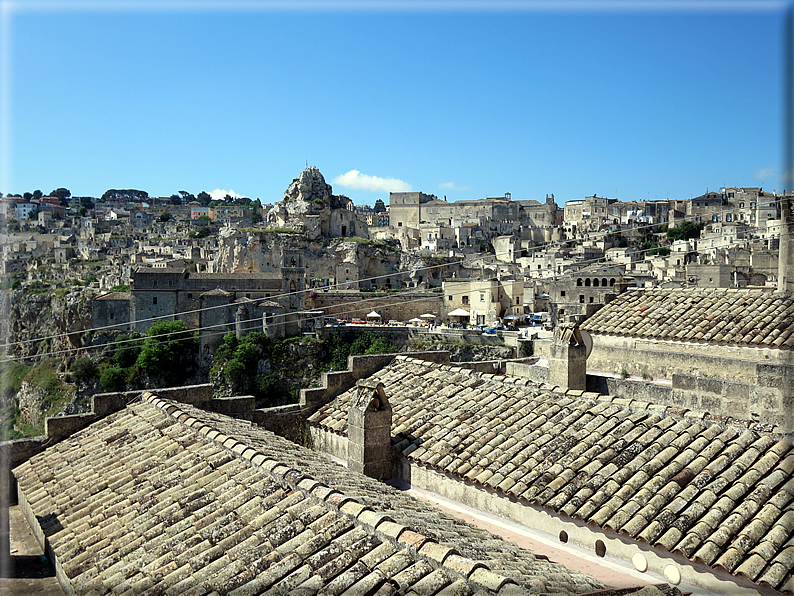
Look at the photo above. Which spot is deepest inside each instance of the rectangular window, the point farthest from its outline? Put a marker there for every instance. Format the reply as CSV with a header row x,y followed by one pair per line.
x,y
154,299
190,296
450,298
465,300
562,293
581,298
482,297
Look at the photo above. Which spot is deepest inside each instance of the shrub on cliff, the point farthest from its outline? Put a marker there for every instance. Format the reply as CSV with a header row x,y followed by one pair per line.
x,y
169,351
113,378
83,369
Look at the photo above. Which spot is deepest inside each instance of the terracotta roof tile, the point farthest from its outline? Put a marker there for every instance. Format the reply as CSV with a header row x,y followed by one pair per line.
x,y
149,499
710,492
741,317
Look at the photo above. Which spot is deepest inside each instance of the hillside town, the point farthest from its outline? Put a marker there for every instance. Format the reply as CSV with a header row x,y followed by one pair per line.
x,y
423,396
497,258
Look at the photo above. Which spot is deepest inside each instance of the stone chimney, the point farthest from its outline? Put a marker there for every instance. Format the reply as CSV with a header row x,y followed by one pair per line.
x,y
785,272
369,449
568,358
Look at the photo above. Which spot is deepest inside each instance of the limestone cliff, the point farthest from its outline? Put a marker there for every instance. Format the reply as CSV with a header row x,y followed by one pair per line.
x,y
262,252
56,319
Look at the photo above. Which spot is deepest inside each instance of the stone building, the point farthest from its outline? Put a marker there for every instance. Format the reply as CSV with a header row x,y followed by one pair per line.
x,y
215,303
405,208
487,301
735,346
111,310
535,214
576,292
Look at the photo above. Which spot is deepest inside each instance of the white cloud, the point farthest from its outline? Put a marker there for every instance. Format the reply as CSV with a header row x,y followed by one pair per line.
x,y
358,181
764,173
219,194
451,186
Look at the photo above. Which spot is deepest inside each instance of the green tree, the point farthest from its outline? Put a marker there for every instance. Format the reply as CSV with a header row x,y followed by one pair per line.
x,y
204,198
686,230
186,197
234,373
37,195
165,216
248,354
113,378
129,194
169,351
380,207
126,352
61,193
83,369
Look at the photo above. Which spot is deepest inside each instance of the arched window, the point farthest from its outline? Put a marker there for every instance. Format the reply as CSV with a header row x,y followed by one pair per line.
x,y
587,283
612,281
595,282
579,282
292,286
604,282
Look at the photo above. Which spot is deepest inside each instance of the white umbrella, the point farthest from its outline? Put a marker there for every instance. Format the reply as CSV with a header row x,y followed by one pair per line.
x,y
428,316
414,320
373,315
458,312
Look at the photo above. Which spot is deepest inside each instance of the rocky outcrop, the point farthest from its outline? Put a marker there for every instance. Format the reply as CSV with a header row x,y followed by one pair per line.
x,y
262,252
310,207
29,400
56,321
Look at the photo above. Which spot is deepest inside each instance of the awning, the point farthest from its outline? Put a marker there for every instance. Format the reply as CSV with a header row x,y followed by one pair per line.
x,y
428,316
373,315
458,312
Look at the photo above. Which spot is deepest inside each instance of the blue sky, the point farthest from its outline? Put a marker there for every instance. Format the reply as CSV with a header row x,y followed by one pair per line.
x,y
634,101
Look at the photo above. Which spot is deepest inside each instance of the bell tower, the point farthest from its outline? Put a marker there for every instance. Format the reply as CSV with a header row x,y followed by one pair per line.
x,y
293,288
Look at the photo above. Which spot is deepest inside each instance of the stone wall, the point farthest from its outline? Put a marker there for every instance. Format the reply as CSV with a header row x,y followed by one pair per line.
x,y
109,312
358,367
764,404
663,359
395,306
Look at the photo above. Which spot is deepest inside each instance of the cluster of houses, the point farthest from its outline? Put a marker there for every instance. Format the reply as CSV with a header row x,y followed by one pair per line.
x,y
494,257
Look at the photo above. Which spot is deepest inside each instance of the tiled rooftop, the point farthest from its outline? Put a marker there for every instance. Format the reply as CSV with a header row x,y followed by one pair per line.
x,y
739,317
162,497
713,493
